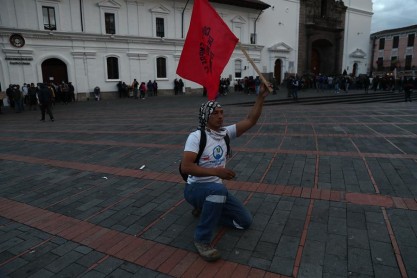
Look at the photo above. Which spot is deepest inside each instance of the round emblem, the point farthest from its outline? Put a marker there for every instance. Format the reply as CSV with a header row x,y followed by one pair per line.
x,y
217,152
17,40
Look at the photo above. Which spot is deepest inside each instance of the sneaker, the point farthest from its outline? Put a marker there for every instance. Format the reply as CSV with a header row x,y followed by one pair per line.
x,y
52,119
42,120
207,252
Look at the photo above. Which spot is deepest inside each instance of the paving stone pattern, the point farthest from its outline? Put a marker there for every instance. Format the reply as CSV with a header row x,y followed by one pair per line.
x,y
332,189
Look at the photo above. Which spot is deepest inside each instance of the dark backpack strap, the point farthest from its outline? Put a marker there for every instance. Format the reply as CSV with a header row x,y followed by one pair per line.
x,y
202,145
227,140
203,142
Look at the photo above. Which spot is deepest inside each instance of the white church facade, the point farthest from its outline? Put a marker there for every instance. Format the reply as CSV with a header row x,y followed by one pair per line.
x,y
101,42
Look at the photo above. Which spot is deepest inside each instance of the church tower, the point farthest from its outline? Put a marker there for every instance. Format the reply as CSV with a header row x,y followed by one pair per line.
x,y
321,36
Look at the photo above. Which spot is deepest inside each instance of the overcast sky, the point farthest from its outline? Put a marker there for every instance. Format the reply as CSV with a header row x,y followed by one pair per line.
x,y
390,14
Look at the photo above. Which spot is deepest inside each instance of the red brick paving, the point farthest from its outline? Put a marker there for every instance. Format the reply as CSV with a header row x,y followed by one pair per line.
x,y
182,263
394,243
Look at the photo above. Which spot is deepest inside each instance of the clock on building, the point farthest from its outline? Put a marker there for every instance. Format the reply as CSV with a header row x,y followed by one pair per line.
x,y
17,40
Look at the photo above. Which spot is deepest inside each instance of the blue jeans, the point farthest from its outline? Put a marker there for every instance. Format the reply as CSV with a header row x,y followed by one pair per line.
x,y
295,93
18,106
217,207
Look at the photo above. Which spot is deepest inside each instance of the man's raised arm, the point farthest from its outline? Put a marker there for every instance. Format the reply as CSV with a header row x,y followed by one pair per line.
x,y
254,114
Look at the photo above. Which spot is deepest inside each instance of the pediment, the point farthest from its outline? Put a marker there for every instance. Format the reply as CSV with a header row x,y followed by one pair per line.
x,y
280,47
238,19
358,53
109,4
159,9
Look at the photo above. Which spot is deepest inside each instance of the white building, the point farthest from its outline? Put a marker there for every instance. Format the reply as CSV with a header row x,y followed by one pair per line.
x,y
357,54
315,36
100,42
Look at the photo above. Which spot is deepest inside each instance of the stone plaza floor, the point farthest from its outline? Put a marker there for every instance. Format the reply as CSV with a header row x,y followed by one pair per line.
x,y
97,193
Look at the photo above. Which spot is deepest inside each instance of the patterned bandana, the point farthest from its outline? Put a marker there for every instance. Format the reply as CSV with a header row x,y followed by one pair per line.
x,y
205,111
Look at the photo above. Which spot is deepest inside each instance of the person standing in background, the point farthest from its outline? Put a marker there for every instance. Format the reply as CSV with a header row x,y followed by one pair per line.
x,y
44,96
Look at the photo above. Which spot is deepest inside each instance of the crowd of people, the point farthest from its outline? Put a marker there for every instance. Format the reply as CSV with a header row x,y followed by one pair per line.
x,y
343,83
43,95
246,85
179,88
321,83
224,86
137,90
27,96
24,97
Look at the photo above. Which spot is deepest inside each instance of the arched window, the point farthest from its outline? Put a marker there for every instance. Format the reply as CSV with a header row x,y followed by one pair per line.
x,y
112,68
161,67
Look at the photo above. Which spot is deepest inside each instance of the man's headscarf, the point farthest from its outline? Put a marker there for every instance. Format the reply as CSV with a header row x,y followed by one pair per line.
x,y
206,110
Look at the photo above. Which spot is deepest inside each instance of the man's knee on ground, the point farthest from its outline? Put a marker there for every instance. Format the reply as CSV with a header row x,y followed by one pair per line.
x,y
247,222
244,222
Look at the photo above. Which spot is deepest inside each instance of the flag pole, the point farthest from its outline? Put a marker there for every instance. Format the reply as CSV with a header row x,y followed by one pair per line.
x,y
255,67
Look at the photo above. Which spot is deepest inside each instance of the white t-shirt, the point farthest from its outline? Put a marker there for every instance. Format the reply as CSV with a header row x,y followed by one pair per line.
x,y
214,155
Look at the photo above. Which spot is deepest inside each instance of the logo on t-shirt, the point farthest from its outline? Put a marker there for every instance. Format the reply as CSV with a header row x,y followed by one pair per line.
x,y
218,152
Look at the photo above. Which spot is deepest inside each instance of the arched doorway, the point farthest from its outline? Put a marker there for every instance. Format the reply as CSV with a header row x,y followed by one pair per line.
x,y
322,57
277,70
355,69
54,70
315,62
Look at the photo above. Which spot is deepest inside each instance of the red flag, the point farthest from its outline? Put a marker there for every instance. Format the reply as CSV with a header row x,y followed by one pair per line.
x,y
207,48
